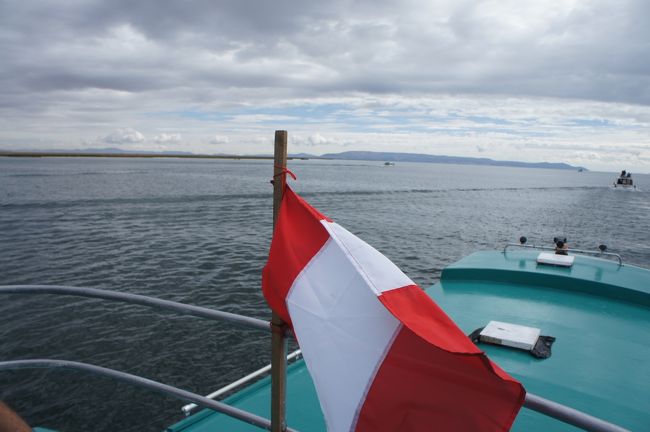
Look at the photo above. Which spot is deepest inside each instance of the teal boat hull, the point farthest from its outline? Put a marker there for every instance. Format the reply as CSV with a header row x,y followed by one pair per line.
x,y
597,310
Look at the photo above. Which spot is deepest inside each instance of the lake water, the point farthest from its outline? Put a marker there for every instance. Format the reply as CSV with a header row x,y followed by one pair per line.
x,y
198,231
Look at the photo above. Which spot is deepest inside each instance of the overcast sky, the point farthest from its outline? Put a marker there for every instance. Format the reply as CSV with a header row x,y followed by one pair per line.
x,y
559,81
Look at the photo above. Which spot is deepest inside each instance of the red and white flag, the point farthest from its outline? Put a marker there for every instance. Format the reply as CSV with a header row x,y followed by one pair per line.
x,y
383,356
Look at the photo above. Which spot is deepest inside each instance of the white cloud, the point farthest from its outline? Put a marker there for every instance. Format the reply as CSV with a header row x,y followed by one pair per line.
x,y
319,143
317,139
219,139
165,138
124,136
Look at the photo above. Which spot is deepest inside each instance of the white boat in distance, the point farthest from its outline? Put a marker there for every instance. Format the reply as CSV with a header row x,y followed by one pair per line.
x,y
624,181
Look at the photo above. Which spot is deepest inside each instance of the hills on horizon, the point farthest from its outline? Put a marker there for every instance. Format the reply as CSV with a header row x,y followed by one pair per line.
x,y
459,160
348,155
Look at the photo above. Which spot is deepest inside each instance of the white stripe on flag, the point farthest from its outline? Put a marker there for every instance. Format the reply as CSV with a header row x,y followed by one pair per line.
x,y
342,327
380,272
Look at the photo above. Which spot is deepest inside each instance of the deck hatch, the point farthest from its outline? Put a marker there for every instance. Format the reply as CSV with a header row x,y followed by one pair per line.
x,y
555,259
512,335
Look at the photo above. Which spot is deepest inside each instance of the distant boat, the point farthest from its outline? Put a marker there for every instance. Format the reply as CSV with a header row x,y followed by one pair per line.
x,y
580,170
624,181
389,163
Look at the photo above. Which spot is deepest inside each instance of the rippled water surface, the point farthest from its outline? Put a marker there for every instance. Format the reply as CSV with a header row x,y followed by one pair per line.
x,y
198,231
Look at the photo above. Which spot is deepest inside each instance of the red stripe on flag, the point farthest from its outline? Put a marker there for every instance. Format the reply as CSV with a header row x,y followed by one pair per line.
x,y
415,309
420,387
434,375
297,237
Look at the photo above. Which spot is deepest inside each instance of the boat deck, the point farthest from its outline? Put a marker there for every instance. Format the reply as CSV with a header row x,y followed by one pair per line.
x,y
597,310
303,410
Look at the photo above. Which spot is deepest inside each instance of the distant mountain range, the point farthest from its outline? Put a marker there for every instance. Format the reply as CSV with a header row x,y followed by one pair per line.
x,y
349,155
416,157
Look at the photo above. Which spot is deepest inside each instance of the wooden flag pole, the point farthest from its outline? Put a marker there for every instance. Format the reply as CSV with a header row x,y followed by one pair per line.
x,y
278,327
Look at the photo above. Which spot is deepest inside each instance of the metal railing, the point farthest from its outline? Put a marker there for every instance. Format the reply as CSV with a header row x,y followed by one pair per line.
x,y
187,409
533,402
580,251
138,299
153,302
142,382
569,415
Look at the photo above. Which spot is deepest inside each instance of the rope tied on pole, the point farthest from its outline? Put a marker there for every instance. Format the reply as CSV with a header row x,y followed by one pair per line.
x,y
284,171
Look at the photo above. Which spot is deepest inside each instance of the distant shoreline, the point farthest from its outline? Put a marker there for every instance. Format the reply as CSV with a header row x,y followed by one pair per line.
x,y
385,157
136,155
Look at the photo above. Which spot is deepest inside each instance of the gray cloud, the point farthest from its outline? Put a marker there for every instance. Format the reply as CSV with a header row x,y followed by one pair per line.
x,y
98,64
590,49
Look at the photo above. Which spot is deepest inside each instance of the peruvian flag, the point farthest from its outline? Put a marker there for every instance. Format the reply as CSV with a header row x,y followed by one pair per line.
x,y
383,356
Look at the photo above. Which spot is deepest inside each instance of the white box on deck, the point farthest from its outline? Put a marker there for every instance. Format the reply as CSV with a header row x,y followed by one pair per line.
x,y
555,259
511,335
